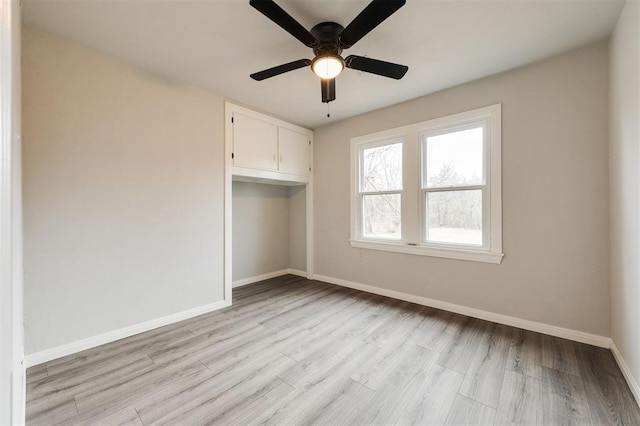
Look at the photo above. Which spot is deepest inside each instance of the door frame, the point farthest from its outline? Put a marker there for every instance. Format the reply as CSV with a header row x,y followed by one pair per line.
x,y
12,371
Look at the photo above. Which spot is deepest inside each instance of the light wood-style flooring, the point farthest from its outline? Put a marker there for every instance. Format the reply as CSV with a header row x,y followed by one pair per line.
x,y
294,351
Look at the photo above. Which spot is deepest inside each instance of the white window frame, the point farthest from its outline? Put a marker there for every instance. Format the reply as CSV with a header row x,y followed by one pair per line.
x,y
413,217
362,193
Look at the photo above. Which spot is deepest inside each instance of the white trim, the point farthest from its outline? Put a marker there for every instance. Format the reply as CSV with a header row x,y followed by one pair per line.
x,y
262,277
552,330
268,276
447,253
228,212
495,169
231,107
309,214
298,273
111,336
12,370
248,174
626,372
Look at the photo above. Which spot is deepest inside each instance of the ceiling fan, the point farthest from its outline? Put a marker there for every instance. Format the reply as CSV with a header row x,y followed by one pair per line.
x,y
328,40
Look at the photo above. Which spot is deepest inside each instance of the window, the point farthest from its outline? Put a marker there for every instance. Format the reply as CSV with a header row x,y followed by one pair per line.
x,y
381,190
431,188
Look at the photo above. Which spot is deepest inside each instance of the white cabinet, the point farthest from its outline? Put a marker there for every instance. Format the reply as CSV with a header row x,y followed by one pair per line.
x,y
266,149
255,143
294,152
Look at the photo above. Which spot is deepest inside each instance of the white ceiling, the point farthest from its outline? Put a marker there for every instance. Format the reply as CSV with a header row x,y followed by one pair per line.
x,y
216,44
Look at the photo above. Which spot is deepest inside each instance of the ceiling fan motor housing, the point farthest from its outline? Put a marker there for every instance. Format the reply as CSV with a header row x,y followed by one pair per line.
x,y
327,34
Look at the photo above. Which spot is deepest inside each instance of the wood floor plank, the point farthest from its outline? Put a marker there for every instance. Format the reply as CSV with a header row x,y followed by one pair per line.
x,y
519,400
460,351
525,353
199,345
344,301
125,392
483,380
429,400
467,412
72,383
164,401
610,399
444,329
564,399
321,363
268,287
263,406
383,408
394,366
53,410
36,373
318,388
255,403
54,394
335,332
365,303
265,309
217,395
279,297
124,417
343,409
139,344
399,326
388,401
560,355
295,351
222,358
294,314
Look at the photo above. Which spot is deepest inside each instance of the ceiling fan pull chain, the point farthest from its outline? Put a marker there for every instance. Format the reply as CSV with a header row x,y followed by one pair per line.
x,y
328,111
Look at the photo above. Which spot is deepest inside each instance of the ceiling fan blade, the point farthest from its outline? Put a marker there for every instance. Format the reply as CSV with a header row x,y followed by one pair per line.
x,y
372,16
328,90
274,12
280,69
376,66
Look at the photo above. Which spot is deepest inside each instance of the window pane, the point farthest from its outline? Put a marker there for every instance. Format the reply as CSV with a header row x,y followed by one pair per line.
x,y
454,159
381,216
382,168
455,217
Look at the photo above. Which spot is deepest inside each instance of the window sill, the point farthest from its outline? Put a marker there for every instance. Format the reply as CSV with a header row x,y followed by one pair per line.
x,y
447,253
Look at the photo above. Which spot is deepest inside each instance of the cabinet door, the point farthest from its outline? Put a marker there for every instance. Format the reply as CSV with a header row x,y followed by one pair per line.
x,y
255,143
294,152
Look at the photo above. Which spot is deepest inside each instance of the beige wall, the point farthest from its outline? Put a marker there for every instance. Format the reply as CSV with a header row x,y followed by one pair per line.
x,y
555,195
298,228
123,194
260,229
625,187
269,229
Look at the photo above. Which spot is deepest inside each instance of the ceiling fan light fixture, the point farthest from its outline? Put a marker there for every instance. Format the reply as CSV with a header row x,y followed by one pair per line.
x,y
327,66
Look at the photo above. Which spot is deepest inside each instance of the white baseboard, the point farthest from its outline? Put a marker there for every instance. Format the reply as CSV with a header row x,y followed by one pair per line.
x,y
251,280
631,381
111,336
267,276
297,272
552,330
